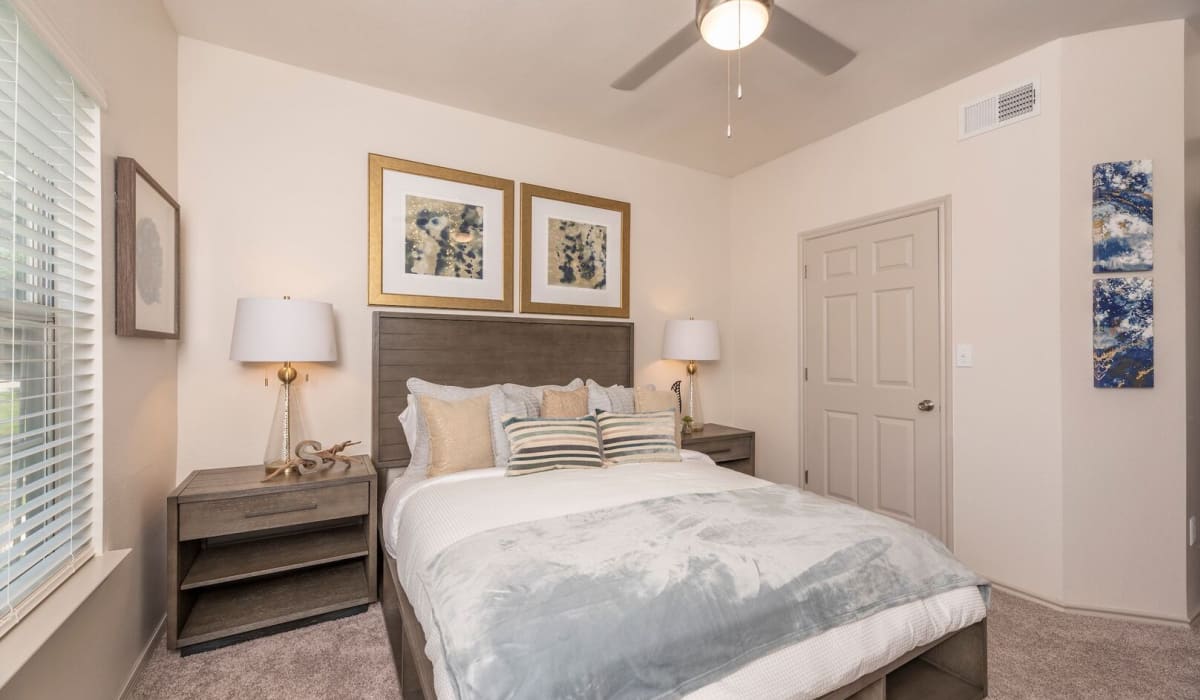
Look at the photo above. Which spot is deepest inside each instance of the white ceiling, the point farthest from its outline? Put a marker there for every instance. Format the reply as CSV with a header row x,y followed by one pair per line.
x,y
549,63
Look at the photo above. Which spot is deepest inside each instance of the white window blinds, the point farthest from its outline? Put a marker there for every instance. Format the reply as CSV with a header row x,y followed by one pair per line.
x,y
49,269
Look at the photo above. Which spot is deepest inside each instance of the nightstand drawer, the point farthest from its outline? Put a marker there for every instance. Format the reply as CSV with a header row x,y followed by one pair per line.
x,y
237,515
725,450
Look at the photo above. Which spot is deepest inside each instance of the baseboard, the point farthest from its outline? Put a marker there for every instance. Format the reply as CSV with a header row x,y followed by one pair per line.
x,y
1109,613
143,658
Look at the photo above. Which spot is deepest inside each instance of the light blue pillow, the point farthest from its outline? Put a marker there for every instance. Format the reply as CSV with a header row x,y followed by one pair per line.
x,y
530,397
615,398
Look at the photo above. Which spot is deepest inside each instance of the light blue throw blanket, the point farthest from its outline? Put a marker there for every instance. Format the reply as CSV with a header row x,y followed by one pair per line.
x,y
657,598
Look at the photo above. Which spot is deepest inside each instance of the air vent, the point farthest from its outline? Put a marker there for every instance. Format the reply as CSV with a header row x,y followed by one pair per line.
x,y
1001,109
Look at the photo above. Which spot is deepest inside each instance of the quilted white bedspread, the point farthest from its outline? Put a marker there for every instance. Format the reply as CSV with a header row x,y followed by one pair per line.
x,y
422,516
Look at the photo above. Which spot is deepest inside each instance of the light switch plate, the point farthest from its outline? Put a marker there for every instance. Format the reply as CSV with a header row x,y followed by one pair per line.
x,y
964,355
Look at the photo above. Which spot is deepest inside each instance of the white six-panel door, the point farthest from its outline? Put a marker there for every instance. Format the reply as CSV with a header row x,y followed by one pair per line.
x,y
873,370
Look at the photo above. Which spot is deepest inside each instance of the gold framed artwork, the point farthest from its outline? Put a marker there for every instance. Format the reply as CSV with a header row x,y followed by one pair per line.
x,y
574,253
438,238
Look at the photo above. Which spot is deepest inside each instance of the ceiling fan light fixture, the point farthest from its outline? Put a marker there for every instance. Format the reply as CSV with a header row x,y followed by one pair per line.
x,y
719,25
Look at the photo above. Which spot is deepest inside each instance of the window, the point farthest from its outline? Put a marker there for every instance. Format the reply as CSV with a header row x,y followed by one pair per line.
x,y
49,272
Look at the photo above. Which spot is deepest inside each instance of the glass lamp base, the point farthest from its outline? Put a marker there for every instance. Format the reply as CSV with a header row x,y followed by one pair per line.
x,y
288,428
691,406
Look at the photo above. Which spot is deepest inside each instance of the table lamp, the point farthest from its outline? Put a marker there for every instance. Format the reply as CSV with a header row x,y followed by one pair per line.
x,y
283,330
693,341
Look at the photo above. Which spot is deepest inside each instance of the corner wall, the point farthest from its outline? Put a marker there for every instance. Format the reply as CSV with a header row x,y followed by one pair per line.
x,y
1124,450
273,177
130,45
1004,209
1060,490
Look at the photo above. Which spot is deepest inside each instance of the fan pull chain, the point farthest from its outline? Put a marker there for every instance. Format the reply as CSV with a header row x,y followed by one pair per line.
x,y
728,100
729,91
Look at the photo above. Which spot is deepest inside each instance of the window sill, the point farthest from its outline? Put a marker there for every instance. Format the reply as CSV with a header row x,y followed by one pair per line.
x,y
23,641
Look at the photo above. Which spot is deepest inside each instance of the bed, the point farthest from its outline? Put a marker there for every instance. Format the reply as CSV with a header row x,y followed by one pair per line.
x,y
931,646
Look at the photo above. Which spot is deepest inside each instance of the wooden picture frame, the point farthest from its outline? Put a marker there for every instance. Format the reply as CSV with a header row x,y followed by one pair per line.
x,y
148,269
433,241
567,246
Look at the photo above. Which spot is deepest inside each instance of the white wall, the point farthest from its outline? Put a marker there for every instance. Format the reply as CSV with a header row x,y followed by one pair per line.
x,y
1004,278
273,166
130,45
1039,469
1124,451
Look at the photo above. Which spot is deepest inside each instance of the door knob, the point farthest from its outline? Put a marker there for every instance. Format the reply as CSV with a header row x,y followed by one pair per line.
x,y
925,405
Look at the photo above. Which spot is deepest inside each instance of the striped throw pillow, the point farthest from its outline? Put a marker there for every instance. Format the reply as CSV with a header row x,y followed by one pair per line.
x,y
541,444
638,437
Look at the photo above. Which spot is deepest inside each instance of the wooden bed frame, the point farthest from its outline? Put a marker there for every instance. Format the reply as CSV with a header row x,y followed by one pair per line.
x,y
481,350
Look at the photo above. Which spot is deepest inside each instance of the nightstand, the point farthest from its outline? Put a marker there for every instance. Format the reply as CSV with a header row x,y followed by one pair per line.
x,y
732,448
247,558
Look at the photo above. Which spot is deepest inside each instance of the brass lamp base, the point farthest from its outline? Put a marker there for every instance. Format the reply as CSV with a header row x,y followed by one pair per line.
x,y
274,466
287,373
692,408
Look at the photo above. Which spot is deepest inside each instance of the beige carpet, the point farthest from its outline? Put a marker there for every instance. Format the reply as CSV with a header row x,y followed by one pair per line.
x,y
346,658
1033,652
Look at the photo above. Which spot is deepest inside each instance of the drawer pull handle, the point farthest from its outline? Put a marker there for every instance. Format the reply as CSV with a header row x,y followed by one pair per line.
x,y
281,511
714,453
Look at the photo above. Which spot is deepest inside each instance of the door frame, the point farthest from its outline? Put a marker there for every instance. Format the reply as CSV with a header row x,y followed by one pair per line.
x,y
940,205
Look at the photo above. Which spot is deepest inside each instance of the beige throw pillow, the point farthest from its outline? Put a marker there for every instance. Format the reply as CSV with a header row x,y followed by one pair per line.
x,y
459,434
565,404
648,400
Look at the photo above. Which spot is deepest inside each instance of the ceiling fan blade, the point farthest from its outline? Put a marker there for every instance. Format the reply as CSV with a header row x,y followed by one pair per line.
x,y
658,59
810,45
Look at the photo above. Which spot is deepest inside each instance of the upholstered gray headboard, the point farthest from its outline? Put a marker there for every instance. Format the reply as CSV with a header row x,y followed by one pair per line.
x,y
480,350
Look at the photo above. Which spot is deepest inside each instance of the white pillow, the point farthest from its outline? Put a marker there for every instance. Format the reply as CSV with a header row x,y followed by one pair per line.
x,y
529,398
416,431
615,398
508,407
408,421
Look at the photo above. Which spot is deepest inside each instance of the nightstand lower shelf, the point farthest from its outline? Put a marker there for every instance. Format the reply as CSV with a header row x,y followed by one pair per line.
x,y
235,609
226,563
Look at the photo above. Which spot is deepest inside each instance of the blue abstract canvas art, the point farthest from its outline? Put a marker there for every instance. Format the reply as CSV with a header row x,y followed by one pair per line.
x,y
1123,216
1123,332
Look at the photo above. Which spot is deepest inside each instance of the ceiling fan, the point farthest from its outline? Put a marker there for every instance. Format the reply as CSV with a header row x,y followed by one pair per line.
x,y
733,24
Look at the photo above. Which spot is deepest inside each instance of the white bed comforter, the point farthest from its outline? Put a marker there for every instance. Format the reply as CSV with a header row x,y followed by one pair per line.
x,y
421,517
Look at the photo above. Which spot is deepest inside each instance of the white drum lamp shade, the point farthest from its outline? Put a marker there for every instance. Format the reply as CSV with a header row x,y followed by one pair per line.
x,y
691,340
283,330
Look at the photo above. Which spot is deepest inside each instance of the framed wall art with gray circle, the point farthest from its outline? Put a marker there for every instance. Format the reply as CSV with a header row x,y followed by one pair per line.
x,y
147,220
